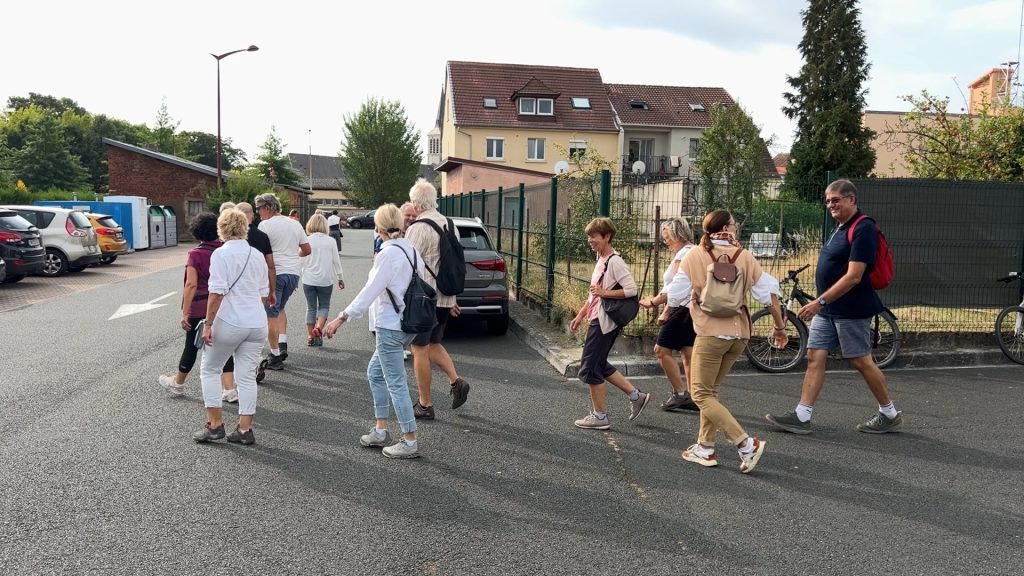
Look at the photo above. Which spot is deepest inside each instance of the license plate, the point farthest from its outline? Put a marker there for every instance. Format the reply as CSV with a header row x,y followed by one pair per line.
x,y
33,241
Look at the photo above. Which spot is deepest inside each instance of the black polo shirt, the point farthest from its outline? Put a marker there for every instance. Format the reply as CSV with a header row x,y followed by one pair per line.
x,y
861,301
259,240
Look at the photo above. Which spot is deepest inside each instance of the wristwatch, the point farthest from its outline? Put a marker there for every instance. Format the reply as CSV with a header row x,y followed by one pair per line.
x,y
821,301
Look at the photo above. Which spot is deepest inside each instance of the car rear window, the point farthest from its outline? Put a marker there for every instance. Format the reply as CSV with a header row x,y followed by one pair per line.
x,y
473,238
14,222
80,220
37,219
108,221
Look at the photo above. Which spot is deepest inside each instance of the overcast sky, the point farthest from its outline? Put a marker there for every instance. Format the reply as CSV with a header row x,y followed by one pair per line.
x,y
319,61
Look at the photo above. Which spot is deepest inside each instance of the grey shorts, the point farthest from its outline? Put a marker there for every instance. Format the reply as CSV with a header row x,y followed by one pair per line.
x,y
851,335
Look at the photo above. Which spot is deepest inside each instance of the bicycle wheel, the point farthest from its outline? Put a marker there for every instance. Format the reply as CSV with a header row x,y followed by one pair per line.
x,y
763,354
885,338
1010,333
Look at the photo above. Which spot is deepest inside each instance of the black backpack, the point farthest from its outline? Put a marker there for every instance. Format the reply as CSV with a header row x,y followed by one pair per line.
x,y
420,314
451,268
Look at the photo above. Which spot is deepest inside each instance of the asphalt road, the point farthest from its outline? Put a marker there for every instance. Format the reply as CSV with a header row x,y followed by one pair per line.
x,y
98,474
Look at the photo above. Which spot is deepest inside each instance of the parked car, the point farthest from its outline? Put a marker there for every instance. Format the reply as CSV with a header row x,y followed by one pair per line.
x,y
363,221
109,236
485,297
67,236
3,270
21,246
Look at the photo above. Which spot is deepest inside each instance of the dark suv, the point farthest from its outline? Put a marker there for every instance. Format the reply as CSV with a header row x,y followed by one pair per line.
x,y
21,246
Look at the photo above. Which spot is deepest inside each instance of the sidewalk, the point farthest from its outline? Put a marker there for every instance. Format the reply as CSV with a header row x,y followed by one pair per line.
x,y
562,351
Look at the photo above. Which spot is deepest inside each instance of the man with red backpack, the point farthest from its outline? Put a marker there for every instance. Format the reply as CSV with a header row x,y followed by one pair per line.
x,y
853,261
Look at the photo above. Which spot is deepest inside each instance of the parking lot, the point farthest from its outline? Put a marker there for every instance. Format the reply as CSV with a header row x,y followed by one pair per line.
x,y
34,289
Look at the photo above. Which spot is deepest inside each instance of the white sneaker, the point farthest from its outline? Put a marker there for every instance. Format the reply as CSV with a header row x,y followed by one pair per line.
x,y
375,438
406,354
401,449
229,396
167,381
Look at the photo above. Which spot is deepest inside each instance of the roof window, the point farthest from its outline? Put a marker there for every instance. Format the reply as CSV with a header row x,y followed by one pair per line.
x,y
638,104
696,107
581,102
490,102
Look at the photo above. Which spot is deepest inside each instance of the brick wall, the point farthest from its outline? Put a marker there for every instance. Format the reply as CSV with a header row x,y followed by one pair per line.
x,y
163,183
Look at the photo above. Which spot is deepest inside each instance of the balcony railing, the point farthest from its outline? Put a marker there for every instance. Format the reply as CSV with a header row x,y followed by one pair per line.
x,y
655,168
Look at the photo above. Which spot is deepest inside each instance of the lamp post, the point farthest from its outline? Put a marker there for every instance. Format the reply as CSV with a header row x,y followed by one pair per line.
x,y
220,57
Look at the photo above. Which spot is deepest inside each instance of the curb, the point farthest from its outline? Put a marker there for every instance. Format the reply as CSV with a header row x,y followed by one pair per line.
x,y
563,353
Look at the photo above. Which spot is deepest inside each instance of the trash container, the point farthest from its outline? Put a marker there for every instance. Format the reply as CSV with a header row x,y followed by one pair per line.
x,y
170,226
157,233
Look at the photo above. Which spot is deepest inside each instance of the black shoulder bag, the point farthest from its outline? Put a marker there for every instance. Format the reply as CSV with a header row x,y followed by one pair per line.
x,y
622,311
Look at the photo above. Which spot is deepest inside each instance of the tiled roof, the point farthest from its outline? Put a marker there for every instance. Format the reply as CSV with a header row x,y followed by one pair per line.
x,y
471,82
666,105
327,171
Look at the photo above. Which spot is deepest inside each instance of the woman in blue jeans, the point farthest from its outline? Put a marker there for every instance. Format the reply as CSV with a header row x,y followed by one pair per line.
x,y
321,269
391,272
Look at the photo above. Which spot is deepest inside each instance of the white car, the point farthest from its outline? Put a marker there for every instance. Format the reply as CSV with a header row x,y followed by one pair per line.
x,y
67,235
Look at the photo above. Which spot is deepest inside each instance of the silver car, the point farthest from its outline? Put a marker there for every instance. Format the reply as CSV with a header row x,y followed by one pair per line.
x,y
67,235
485,297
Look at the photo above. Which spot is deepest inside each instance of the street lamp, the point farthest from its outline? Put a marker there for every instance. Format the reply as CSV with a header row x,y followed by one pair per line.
x,y
220,57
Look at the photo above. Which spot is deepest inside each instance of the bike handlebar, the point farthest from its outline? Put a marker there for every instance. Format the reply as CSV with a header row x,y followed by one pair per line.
x,y
792,274
1012,276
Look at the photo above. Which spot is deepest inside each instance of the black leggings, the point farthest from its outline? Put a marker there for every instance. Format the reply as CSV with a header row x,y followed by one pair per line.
x,y
188,355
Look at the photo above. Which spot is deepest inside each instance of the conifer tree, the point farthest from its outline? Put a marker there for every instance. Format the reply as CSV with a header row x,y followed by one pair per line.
x,y
828,98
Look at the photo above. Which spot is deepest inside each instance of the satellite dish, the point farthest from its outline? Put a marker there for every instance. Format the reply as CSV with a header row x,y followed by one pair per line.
x,y
639,167
561,167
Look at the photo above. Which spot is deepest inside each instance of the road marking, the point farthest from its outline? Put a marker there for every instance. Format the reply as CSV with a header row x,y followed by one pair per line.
x,y
129,309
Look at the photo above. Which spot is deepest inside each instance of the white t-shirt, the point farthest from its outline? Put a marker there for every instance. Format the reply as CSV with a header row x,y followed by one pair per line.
x,y
333,220
285,236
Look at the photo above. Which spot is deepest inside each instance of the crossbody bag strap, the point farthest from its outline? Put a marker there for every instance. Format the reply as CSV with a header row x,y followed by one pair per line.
x,y
244,266
412,262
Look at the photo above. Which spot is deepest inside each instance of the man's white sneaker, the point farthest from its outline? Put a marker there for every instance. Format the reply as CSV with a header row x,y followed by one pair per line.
x,y
167,381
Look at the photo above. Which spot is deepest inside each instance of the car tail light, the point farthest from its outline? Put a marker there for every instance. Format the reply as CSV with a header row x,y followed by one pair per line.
x,y
106,232
9,237
72,231
492,265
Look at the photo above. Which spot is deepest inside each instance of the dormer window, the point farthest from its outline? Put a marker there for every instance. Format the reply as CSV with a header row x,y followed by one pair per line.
x,y
490,103
536,106
581,103
696,107
638,104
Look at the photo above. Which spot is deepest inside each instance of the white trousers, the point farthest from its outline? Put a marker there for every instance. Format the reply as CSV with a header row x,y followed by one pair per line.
x,y
246,345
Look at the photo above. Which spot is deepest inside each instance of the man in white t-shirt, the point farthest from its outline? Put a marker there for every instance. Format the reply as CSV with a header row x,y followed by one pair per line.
x,y
334,228
289,241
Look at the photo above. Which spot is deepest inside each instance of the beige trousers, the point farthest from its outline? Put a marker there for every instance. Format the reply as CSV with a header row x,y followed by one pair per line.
x,y
712,360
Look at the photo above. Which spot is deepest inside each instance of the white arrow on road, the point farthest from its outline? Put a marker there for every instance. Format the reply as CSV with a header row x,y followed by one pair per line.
x,y
129,309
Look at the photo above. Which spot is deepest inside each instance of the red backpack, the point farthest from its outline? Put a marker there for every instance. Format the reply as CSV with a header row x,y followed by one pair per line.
x,y
883,269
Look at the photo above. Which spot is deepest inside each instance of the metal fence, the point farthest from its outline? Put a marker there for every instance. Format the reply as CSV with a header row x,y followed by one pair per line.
x,y
950,240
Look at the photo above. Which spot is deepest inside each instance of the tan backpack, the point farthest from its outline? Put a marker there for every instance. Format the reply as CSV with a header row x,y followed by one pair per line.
x,y
723,295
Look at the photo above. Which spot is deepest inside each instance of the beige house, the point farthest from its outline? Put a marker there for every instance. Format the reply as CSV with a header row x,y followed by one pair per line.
x,y
500,123
991,90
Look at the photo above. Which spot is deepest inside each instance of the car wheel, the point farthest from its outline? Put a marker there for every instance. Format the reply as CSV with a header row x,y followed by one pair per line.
x,y
108,259
355,224
54,263
498,326
12,278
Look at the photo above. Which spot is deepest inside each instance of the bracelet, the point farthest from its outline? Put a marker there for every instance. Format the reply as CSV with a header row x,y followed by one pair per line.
x,y
780,329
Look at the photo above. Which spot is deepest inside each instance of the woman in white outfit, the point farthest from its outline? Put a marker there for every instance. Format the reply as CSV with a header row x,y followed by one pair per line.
x,y
321,269
389,385
236,325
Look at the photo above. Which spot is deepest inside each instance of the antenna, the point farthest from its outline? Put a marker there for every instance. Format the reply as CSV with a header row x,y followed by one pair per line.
x,y
639,167
561,167
967,106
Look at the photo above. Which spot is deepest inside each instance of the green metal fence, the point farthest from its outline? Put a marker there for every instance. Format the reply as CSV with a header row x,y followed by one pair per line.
x,y
950,240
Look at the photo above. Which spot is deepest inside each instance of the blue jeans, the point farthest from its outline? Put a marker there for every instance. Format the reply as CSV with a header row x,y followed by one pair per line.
x,y
318,302
388,382
851,335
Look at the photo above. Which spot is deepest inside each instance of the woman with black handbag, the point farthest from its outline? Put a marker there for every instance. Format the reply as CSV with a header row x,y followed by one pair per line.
x,y
676,333
610,281
383,300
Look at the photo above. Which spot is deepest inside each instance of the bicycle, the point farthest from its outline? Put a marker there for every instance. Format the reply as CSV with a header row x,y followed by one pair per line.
x,y
885,333
1010,326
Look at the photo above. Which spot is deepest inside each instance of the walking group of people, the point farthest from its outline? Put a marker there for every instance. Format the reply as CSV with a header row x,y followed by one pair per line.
x,y
710,340
239,278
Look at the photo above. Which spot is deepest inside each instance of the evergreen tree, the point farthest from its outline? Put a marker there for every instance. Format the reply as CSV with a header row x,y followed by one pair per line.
x,y
828,97
45,160
273,163
380,153
163,135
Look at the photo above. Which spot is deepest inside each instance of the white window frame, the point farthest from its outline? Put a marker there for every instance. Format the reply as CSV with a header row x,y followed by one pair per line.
x,y
551,106
497,143
533,106
694,148
533,146
581,103
577,148
490,102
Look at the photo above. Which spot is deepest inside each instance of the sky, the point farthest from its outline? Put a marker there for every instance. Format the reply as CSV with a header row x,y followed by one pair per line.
x,y
318,62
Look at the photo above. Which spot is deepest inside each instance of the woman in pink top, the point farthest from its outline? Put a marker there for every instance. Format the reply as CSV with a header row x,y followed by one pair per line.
x,y
610,271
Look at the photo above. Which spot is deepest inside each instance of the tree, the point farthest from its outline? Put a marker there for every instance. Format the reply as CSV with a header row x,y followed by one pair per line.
x,y
45,160
380,153
163,135
828,97
936,144
273,164
57,106
731,161
201,147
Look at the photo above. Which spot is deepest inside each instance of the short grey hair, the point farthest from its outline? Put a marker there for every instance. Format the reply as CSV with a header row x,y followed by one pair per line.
x,y
844,187
225,205
269,199
423,195
678,228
